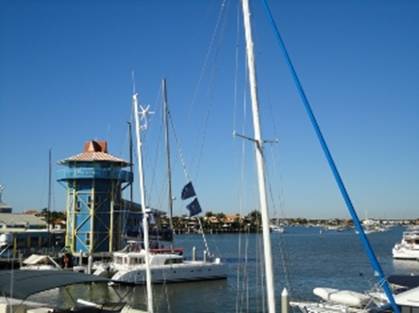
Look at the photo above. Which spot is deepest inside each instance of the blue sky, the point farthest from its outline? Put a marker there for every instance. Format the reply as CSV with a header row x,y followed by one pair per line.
x,y
65,77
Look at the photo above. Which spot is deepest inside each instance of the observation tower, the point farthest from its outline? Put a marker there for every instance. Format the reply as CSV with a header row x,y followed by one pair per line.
x,y
94,180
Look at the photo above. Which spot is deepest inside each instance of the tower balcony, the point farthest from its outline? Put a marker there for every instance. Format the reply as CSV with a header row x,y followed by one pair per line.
x,y
94,173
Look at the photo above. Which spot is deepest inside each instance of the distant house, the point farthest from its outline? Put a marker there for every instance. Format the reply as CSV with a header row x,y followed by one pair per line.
x,y
213,220
32,212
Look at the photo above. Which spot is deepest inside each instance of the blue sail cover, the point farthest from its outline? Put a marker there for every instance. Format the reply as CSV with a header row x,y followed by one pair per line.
x,y
188,191
194,207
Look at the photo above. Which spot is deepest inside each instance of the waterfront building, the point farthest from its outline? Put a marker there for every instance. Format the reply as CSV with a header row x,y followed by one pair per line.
x,y
15,222
94,180
24,234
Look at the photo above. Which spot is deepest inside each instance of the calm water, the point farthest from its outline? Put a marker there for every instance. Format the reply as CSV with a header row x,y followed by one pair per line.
x,y
303,259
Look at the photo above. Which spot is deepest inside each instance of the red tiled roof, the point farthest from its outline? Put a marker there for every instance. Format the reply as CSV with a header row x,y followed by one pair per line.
x,y
93,157
94,151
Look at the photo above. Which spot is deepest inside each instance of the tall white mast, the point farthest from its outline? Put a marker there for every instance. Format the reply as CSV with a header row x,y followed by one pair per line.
x,y
167,142
138,127
259,158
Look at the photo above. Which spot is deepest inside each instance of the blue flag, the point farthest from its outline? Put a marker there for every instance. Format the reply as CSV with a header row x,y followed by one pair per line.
x,y
194,207
188,191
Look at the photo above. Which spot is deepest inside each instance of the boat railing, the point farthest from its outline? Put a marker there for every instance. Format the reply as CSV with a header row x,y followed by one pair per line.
x,y
411,234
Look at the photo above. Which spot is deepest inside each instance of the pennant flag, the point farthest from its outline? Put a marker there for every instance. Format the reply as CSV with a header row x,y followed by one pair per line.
x,y
194,207
188,191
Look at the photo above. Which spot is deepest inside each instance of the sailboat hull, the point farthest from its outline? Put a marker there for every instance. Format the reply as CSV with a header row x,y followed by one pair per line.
x,y
184,272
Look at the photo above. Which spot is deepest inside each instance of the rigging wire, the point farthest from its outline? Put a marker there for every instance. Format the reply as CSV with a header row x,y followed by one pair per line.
x,y
206,59
236,65
179,151
210,90
282,244
154,159
242,200
187,177
203,71
274,172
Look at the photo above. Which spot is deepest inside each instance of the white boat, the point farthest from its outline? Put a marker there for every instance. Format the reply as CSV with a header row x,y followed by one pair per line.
x,y
165,267
276,228
40,262
335,300
408,248
344,297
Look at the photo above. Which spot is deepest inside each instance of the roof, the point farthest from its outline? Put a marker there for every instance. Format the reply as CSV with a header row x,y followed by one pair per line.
x,y
4,205
94,151
408,298
22,284
94,157
21,219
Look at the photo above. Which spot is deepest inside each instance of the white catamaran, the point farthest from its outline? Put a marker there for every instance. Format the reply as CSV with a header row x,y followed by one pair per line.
x,y
165,264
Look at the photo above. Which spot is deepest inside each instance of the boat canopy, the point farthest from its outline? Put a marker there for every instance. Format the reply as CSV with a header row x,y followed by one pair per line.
x,y
36,259
22,284
408,281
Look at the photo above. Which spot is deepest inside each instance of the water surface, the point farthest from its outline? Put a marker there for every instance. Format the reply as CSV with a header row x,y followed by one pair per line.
x,y
303,259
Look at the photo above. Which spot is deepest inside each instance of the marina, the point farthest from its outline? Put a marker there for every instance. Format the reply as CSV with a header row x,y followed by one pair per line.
x,y
151,207
329,260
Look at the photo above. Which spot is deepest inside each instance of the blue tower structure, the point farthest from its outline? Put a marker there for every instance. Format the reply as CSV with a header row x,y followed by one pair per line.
x,y
94,180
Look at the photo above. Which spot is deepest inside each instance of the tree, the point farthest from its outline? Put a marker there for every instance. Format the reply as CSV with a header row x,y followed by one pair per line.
x,y
53,216
255,217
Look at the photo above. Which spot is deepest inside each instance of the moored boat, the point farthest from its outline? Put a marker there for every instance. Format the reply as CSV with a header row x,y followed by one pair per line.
x,y
165,268
40,262
408,248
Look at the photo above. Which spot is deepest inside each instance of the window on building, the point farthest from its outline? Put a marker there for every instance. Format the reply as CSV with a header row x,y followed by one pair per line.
x,y
173,261
77,206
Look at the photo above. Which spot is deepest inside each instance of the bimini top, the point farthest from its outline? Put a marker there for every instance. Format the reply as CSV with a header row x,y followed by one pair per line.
x,y
408,281
95,151
29,282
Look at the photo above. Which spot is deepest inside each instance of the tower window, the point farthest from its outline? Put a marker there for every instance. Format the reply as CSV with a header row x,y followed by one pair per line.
x,y
77,206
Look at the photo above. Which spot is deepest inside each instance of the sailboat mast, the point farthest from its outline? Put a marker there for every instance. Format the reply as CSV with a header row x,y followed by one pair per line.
x,y
259,158
131,164
49,196
143,203
167,142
